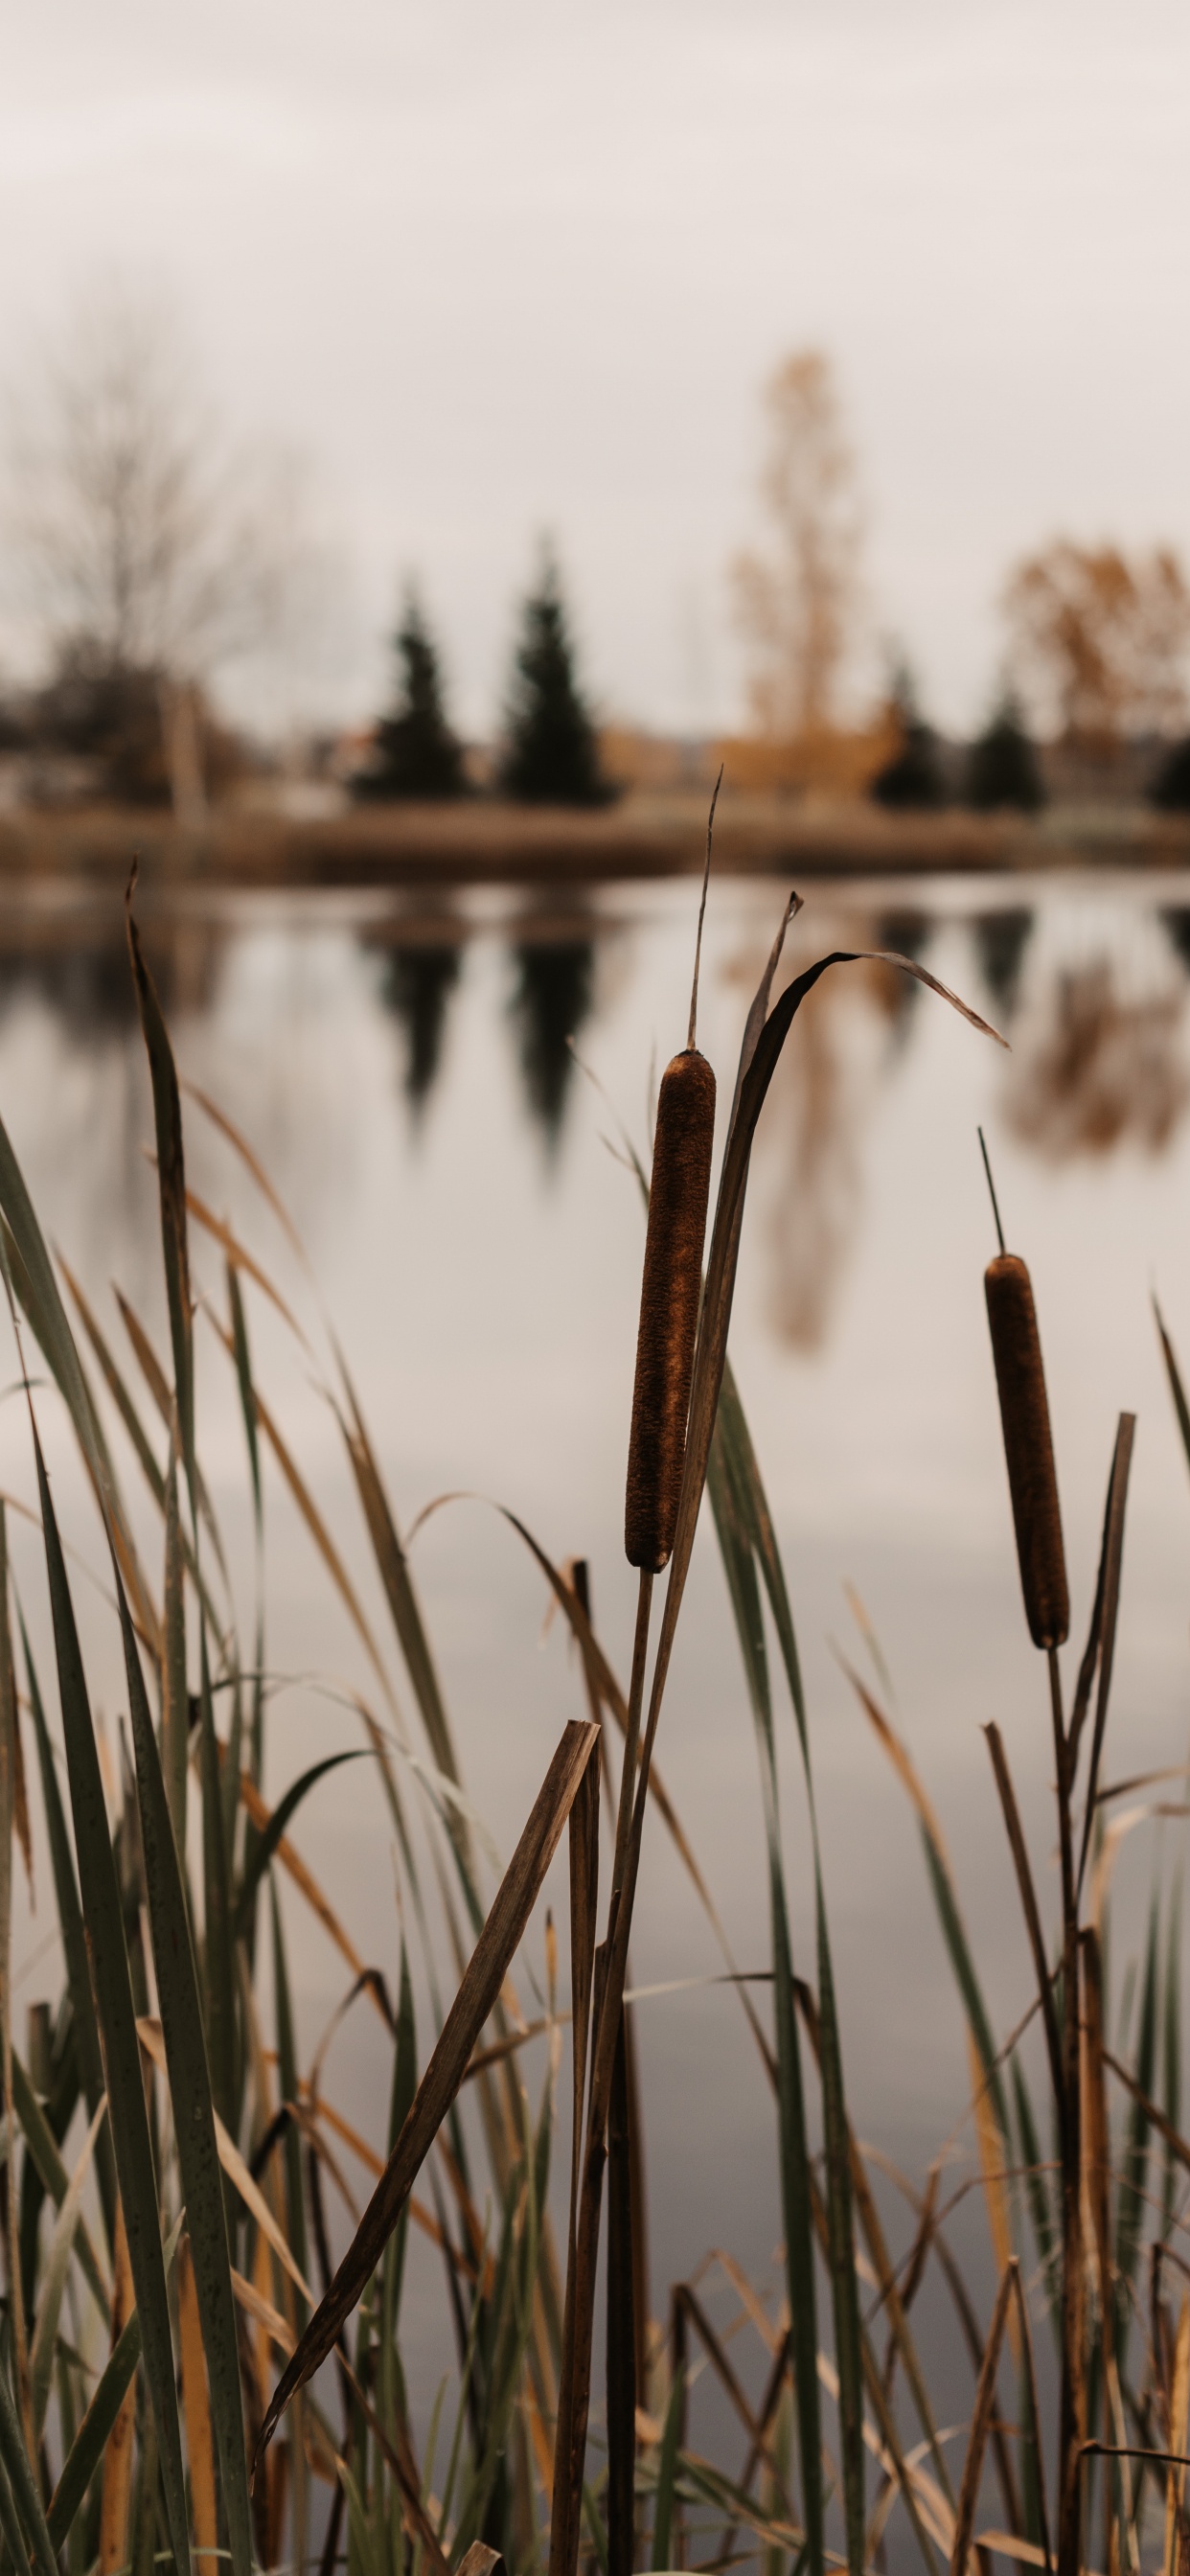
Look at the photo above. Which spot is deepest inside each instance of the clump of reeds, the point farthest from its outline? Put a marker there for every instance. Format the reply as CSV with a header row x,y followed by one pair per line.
x,y
206,2239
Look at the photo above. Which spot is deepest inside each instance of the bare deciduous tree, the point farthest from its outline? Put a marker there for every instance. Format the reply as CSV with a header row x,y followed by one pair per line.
x,y
797,605
145,542
1100,639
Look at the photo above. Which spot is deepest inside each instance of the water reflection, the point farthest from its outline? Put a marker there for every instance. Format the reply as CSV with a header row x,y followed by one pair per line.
x,y
1001,940
78,968
552,997
810,1148
419,978
1098,1064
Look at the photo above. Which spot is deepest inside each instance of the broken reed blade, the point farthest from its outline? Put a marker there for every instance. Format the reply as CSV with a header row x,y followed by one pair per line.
x,y
1028,1448
670,1289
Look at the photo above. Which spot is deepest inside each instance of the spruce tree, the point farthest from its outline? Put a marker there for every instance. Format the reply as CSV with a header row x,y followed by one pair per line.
x,y
415,752
912,780
551,754
1002,765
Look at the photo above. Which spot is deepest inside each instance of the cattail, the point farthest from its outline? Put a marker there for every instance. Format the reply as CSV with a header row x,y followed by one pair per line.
x,y
669,1307
1028,1449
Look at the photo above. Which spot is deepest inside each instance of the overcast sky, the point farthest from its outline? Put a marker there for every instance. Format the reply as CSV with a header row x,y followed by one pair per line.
x,y
499,266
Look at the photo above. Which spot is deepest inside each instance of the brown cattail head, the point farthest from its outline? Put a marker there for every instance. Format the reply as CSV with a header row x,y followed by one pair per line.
x,y
669,1307
1028,1449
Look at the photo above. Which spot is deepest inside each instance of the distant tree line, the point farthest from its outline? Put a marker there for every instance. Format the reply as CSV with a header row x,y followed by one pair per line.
x,y
550,746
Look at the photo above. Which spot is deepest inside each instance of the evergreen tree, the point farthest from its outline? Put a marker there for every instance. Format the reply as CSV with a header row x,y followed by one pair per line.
x,y
551,755
912,780
1002,765
1170,791
415,754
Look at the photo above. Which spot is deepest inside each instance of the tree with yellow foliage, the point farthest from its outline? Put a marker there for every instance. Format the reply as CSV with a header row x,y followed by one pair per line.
x,y
796,604
1100,640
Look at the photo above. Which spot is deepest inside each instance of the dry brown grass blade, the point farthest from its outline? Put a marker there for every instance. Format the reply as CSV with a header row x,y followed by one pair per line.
x,y
197,2410
1165,2129
291,1861
241,1259
1025,2333
239,1144
981,2420
148,2032
489,1964
1024,1877
117,2458
313,1520
263,2313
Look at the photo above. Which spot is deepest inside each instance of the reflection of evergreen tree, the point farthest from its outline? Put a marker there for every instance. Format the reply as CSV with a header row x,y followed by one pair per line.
x,y
1001,939
1002,765
418,984
551,755
1170,791
904,934
1175,921
415,754
550,1001
912,780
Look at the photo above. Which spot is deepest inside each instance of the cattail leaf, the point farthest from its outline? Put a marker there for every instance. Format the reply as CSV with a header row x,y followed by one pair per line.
x,y
53,2278
404,2087
175,1697
621,2332
1108,1602
266,1842
31,1272
667,2471
19,2494
171,1188
74,1944
1176,1388
735,1549
191,2097
90,2441
243,1360
1028,1896
217,1959
51,2172
108,1956
488,1966
239,1258
287,2071
1130,2204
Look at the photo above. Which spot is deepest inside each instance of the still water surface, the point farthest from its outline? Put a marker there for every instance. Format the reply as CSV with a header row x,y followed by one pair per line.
x,y
406,1076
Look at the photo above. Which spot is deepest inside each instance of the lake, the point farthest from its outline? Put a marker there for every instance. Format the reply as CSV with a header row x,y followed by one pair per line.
x,y
408,1073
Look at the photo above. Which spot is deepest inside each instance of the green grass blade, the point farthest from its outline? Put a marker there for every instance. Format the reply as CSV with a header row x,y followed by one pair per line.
x,y
667,2466
53,2280
74,1945
1176,1388
287,2071
1131,2203
243,1361
15,2469
736,1551
1172,2043
175,1702
264,1845
193,2109
171,1186
90,2441
101,1904
217,1948
844,2284
42,2145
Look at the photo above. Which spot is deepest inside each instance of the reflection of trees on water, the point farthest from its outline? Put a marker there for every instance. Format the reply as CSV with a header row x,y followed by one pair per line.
x,y
418,981
1001,939
80,972
1098,1065
906,934
553,991
809,1144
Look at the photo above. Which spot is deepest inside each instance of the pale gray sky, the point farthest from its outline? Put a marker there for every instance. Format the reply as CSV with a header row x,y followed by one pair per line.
x,y
501,265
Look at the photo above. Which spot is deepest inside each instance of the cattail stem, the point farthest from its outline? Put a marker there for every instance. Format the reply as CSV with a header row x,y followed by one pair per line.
x,y
636,1693
1072,2425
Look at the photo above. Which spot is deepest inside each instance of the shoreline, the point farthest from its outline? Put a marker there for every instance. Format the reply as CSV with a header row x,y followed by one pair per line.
x,y
641,837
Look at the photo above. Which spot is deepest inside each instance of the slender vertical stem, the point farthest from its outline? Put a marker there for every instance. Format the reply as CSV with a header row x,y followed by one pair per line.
x,y
1072,2428
636,1693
